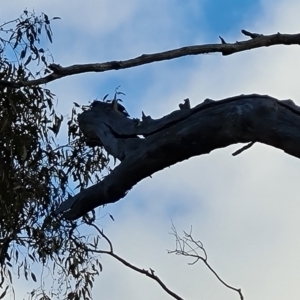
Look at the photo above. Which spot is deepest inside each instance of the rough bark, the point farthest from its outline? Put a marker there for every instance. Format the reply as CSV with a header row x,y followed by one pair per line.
x,y
146,146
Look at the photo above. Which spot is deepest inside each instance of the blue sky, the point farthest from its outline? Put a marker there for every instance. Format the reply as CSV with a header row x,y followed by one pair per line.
x,y
244,209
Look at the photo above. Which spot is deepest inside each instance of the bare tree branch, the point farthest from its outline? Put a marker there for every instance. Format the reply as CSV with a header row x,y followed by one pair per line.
x,y
256,41
150,274
110,252
193,246
178,136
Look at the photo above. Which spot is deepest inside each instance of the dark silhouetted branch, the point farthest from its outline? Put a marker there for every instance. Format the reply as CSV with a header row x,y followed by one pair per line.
x,y
145,146
110,252
256,41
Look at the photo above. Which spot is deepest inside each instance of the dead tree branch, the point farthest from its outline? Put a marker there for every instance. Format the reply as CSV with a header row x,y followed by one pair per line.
x,y
176,137
149,273
256,41
189,247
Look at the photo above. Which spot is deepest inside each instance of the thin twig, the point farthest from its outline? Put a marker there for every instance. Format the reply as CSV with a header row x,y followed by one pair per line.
x,y
147,273
182,243
150,274
104,236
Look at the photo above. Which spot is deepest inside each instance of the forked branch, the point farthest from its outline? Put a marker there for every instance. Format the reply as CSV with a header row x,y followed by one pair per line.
x,y
189,247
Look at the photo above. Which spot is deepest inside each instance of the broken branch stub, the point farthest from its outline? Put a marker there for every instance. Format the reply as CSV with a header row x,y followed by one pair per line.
x,y
178,136
256,41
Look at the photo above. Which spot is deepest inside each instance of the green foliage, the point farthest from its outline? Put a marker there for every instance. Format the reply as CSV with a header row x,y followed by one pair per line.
x,y
36,172
21,43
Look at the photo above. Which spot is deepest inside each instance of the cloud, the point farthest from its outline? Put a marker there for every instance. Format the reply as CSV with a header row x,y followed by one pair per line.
x,y
244,209
250,217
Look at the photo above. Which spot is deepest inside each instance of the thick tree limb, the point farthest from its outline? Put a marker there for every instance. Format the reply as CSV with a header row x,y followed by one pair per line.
x,y
177,137
256,41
